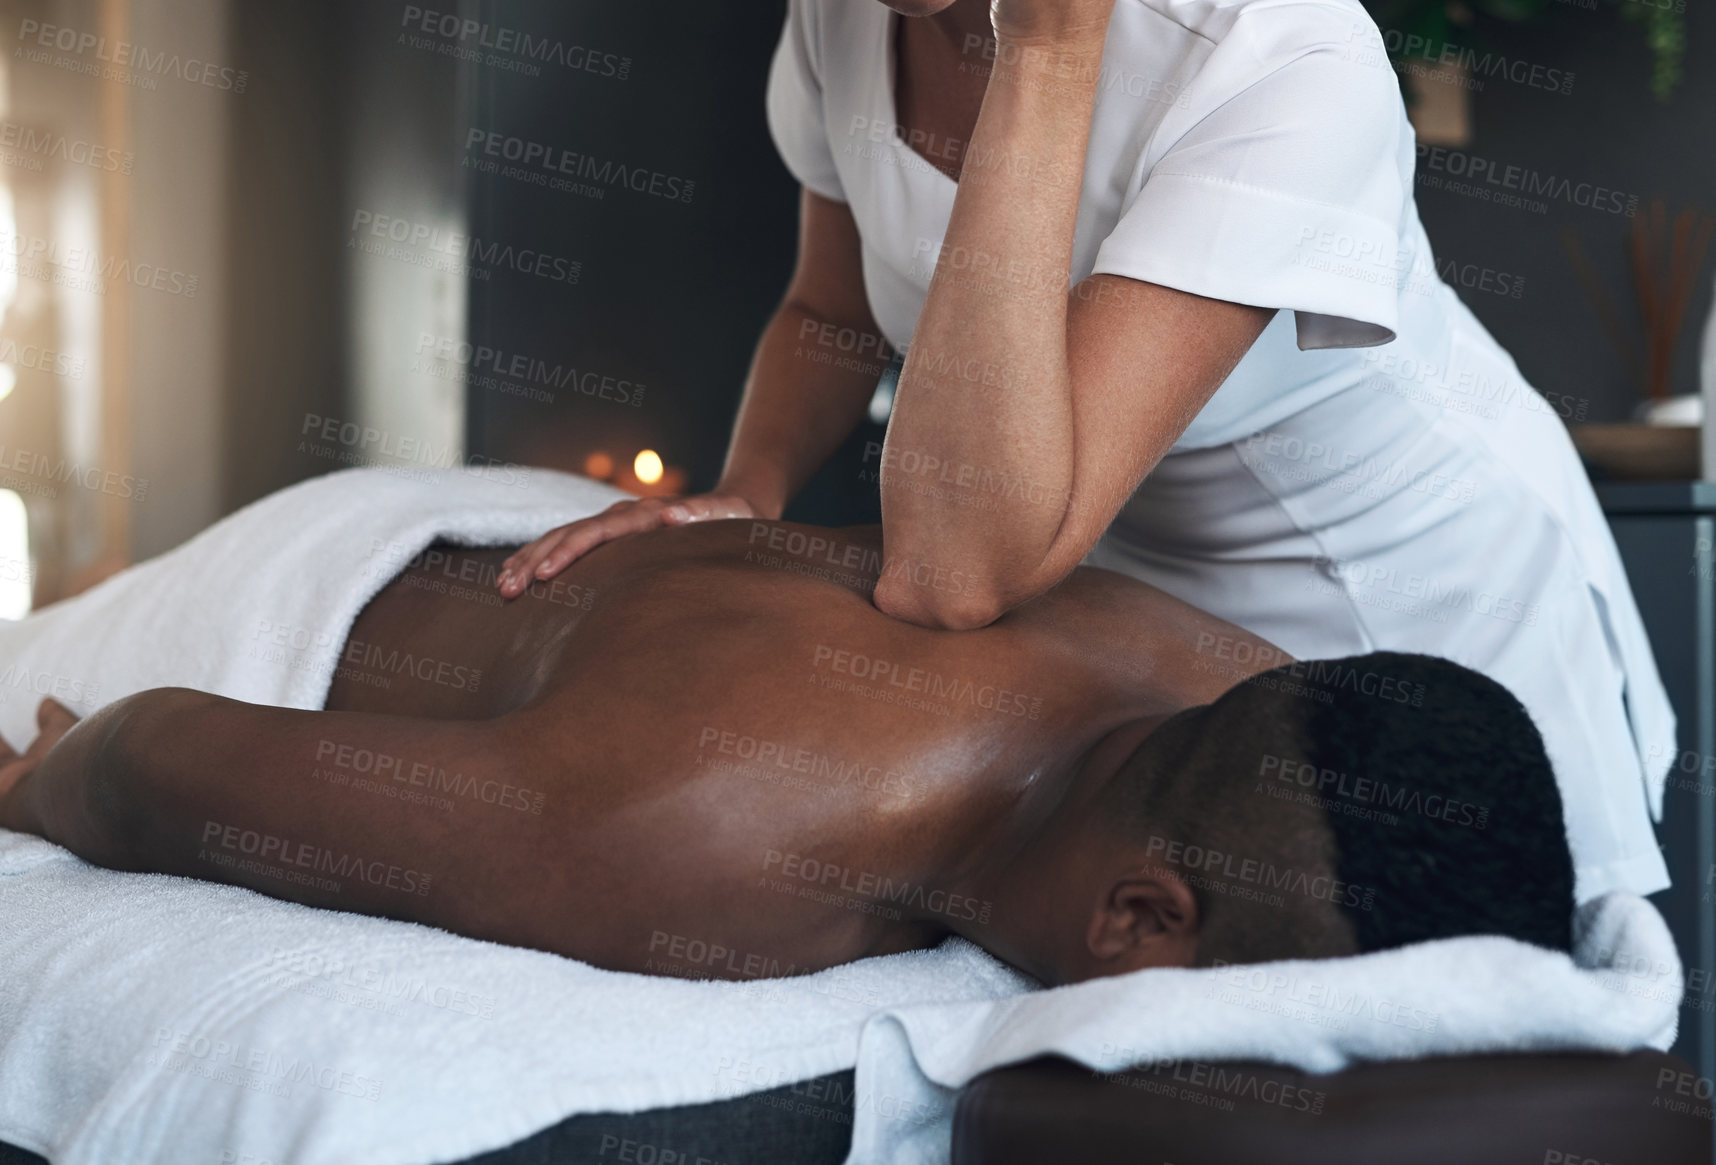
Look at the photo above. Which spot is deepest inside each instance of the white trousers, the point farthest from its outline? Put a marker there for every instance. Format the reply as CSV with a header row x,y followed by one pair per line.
x,y
1374,521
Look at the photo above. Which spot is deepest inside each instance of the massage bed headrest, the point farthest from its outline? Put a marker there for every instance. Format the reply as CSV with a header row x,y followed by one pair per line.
x,y
1646,1108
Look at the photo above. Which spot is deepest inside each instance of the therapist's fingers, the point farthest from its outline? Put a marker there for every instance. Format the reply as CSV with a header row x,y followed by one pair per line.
x,y
559,548
527,567
582,537
522,563
707,508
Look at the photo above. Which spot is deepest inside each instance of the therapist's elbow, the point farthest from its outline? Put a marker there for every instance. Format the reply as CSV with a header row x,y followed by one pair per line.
x,y
940,600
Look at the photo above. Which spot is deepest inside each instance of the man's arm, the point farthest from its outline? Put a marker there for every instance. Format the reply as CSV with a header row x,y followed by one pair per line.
x,y
383,815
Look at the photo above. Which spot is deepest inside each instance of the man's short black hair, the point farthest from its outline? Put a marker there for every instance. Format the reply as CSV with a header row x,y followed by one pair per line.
x,y
1476,841
1430,778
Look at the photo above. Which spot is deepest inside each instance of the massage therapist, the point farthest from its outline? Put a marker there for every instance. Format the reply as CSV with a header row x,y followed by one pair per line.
x,y
1177,238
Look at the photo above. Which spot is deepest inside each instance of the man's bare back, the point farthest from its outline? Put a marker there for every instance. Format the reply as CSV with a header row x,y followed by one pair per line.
x,y
701,751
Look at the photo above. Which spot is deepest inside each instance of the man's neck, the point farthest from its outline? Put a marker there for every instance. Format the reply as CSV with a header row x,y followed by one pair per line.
x,y
1031,895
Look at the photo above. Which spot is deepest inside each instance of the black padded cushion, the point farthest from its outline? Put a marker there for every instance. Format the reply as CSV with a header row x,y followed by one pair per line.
x,y
1640,1109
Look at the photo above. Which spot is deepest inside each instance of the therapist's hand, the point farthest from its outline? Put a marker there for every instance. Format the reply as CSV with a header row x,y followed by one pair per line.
x,y
1051,22
561,547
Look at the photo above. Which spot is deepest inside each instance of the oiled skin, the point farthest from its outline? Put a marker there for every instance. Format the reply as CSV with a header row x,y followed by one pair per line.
x,y
701,751
659,846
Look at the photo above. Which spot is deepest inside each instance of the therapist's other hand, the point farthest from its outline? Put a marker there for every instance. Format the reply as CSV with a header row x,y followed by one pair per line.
x,y
1051,22
53,720
564,545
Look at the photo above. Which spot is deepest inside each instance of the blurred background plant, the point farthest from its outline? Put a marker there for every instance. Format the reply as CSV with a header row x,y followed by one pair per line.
x,y
1461,25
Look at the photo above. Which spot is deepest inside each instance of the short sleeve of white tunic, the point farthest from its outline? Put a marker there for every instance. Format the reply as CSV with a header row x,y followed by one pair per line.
x,y
1255,151
1280,185
795,105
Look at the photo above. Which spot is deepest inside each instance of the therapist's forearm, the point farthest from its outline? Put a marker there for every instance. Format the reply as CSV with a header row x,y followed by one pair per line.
x,y
986,392
810,384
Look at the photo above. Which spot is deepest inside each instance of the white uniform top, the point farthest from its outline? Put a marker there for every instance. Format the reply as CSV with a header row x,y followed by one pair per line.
x,y
1212,168
1258,151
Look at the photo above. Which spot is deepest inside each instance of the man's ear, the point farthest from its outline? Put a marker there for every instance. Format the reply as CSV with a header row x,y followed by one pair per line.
x,y
1144,921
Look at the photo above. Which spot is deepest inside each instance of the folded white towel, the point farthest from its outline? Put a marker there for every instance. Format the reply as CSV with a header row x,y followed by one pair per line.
x,y
1620,991
154,1019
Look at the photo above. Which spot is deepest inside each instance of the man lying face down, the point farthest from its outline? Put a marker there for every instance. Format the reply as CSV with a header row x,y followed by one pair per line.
x,y
720,760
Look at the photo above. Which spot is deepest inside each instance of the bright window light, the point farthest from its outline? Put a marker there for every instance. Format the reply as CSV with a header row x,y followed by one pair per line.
x,y
15,572
8,380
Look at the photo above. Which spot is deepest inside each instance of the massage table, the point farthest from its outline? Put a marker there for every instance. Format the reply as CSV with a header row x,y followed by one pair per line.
x,y
153,963
1640,1109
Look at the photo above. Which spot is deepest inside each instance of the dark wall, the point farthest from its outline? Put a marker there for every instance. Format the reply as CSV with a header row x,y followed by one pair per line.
x,y
287,312
1609,131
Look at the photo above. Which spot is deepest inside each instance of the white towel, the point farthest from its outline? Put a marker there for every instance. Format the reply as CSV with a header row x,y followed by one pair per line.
x,y
1620,991
146,1018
